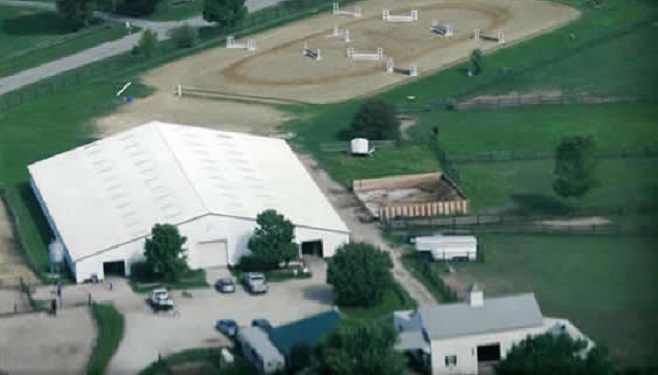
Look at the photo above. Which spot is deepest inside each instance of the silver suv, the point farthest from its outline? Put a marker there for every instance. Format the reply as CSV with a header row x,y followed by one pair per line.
x,y
255,282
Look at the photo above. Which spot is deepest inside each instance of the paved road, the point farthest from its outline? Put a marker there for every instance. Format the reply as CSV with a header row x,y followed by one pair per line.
x,y
103,51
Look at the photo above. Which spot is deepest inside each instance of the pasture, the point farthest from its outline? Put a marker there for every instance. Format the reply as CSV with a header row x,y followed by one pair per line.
x,y
29,38
604,285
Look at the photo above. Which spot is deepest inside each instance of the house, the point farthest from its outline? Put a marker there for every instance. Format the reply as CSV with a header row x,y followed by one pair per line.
x,y
465,337
448,248
102,199
259,351
305,331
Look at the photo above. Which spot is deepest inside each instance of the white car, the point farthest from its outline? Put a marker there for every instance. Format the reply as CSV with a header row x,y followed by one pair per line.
x,y
160,298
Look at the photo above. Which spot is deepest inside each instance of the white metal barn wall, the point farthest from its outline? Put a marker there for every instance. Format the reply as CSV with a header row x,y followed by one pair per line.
x,y
235,231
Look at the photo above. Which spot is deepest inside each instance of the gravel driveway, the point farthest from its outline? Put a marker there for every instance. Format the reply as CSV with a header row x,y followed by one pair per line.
x,y
147,334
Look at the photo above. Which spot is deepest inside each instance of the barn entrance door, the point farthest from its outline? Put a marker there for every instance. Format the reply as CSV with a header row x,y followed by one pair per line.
x,y
116,268
312,248
212,254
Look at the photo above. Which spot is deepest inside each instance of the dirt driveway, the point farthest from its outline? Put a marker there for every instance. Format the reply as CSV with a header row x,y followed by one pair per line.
x,y
41,344
147,334
12,267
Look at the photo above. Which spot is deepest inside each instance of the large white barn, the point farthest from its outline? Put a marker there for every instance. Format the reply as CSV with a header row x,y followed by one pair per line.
x,y
102,199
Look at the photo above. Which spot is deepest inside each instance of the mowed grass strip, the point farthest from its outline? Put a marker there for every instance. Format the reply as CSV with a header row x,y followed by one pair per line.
x,y
604,285
110,325
527,185
29,38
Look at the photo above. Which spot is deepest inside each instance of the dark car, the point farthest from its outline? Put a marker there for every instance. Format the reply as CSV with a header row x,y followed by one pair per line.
x,y
225,285
262,324
229,327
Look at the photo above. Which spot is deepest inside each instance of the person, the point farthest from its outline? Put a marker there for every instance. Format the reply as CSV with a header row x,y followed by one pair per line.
x,y
59,289
53,307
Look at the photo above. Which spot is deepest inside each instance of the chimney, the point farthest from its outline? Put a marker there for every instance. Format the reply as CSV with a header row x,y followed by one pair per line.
x,y
475,296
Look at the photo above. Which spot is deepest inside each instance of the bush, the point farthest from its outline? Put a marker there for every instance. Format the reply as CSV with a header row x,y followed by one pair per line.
x,y
250,263
185,36
142,272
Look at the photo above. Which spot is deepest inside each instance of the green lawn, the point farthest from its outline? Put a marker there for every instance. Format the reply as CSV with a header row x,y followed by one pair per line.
x,y
110,332
614,127
528,184
604,285
394,299
29,38
203,360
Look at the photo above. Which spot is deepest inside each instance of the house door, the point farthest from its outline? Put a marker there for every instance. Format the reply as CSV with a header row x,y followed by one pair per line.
x,y
489,353
312,248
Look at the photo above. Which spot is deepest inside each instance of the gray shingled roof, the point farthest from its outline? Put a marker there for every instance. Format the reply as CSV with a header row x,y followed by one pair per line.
x,y
261,343
495,315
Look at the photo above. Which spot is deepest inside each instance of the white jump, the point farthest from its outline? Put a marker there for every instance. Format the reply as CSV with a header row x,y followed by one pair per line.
x,y
357,13
314,54
343,35
500,36
411,71
388,17
249,46
444,31
365,56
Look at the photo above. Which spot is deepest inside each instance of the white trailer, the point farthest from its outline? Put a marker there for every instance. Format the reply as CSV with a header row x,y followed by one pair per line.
x,y
448,248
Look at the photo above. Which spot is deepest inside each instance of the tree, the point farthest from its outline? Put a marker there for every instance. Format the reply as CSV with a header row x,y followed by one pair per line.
x,y
147,44
360,348
549,354
165,253
78,13
375,119
360,274
575,165
136,8
301,357
272,242
225,13
185,36
475,62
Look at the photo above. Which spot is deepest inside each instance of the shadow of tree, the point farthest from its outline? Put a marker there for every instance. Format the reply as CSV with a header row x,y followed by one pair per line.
x,y
537,203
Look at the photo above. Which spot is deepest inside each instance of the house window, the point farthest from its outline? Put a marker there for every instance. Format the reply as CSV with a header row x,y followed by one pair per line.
x,y
450,360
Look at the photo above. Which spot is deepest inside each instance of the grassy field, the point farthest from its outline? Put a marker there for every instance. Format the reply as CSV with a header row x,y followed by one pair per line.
x,y
394,299
604,285
29,38
110,332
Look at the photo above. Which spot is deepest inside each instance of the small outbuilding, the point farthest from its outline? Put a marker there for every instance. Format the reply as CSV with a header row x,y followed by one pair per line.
x,y
448,248
360,147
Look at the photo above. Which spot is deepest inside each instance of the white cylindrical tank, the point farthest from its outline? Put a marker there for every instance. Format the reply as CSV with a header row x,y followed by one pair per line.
x,y
56,251
359,146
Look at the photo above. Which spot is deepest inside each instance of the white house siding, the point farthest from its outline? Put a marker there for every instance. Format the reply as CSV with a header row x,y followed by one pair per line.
x,y
235,231
465,348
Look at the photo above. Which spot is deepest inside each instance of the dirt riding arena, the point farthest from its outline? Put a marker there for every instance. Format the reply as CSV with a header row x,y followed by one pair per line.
x,y
277,69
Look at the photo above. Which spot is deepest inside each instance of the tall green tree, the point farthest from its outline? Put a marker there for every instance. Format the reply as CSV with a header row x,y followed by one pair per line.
x,y
360,348
273,239
376,119
575,166
165,253
360,274
550,354
136,8
476,61
147,44
225,13
78,13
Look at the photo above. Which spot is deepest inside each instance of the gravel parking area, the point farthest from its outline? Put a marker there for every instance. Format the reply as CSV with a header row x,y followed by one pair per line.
x,y
148,335
41,344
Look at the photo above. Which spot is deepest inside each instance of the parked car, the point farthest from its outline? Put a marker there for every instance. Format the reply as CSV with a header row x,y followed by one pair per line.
x,y
160,298
225,285
255,282
263,324
228,327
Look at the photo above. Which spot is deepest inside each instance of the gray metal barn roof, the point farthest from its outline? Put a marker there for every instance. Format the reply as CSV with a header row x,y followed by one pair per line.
x,y
496,314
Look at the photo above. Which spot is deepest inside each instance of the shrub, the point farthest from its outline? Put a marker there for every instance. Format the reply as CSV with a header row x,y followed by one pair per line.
x,y
185,36
142,272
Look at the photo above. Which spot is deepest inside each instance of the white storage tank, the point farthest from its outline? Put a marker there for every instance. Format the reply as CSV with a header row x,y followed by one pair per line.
x,y
359,146
56,255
